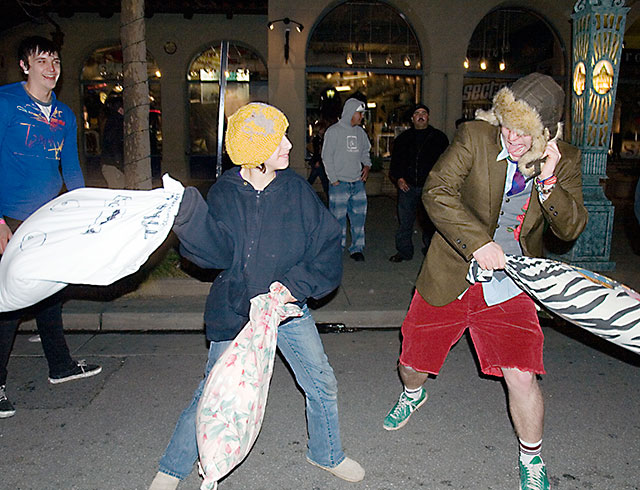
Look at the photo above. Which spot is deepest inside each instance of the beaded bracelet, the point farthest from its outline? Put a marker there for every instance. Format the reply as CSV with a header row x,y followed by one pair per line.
x,y
545,186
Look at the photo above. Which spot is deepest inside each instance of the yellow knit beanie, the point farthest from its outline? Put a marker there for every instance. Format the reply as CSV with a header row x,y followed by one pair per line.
x,y
253,133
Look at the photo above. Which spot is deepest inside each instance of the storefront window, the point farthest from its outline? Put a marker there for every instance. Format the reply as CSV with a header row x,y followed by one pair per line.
x,y
103,115
245,80
369,51
626,119
506,45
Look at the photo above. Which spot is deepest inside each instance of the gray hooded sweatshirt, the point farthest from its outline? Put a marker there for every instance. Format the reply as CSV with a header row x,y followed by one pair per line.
x,y
346,148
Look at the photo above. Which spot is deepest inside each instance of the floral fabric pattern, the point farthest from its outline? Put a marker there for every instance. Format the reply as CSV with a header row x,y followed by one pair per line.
x,y
233,401
520,218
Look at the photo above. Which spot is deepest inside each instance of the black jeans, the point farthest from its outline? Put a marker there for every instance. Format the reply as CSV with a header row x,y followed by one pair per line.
x,y
409,208
48,315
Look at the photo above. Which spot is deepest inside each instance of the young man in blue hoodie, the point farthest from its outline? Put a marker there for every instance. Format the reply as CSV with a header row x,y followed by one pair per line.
x,y
345,153
37,138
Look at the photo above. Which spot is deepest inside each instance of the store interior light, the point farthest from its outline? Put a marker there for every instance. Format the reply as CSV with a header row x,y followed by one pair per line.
x,y
371,105
349,59
465,63
502,66
343,88
406,60
483,64
389,60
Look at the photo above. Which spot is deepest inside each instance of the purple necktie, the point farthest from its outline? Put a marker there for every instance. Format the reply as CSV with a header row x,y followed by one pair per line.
x,y
518,183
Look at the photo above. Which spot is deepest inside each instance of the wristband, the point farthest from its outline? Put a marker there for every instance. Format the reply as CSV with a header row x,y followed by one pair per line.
x,y
545,186
548,181
2,221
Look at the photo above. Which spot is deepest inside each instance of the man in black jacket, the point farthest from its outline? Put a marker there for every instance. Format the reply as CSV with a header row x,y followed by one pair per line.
x,y
415,151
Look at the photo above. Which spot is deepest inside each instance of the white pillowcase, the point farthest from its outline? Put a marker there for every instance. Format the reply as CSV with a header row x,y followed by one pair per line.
x,y
86,236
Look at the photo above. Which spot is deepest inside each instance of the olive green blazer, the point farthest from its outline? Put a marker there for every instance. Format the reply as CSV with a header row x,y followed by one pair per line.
x,y
463,195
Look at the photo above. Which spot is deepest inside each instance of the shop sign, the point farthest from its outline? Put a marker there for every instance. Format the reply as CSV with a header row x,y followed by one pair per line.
x,y
474,92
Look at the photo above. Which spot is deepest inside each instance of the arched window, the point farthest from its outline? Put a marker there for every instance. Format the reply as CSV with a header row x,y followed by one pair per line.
x,y
508,44
221,78
102,115
366,50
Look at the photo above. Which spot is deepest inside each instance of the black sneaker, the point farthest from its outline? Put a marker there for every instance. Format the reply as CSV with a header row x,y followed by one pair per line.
x,y
81,370
398,258
6,409
357,256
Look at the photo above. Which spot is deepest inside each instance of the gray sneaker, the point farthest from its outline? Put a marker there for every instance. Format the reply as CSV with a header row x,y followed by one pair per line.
x,y
6,408
402,410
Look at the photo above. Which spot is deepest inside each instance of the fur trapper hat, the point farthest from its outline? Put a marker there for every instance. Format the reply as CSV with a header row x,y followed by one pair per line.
x,y
533,105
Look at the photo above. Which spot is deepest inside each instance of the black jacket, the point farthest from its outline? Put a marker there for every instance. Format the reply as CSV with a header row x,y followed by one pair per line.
x,y
283,233
414,154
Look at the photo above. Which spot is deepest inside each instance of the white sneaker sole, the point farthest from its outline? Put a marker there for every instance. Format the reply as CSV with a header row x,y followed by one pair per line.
x,y
86,374
405,421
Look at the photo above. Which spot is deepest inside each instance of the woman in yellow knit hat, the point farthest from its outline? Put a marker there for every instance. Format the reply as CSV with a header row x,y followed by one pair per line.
x,y
262,223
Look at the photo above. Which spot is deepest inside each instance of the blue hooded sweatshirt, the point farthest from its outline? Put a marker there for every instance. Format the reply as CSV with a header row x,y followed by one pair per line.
x,y
283,233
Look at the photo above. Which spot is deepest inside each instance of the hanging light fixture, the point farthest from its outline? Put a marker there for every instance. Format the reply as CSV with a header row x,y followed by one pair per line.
x,y
503,64
483,60
349,58
465,63
389,60
406,61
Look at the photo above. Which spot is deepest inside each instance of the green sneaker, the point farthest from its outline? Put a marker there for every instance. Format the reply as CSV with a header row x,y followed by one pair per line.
x,y
402,410
533,476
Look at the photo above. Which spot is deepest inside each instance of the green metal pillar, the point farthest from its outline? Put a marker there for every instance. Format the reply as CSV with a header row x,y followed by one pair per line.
x,y
598,31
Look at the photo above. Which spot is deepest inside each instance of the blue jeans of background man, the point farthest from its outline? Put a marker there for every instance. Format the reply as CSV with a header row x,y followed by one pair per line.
x,y
410,207
350,199
300,344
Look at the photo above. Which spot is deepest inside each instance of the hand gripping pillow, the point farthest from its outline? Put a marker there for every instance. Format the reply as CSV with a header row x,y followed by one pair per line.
x,y
596,303
234,397
86,236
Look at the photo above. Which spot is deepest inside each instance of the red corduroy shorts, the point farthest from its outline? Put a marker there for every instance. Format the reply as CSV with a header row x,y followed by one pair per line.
x,y
506,335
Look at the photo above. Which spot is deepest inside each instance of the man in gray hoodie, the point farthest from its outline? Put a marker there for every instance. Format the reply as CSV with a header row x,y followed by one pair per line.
x,y
345,153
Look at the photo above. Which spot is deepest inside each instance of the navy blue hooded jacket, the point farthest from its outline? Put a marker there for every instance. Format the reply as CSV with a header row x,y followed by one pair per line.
x,y
283,233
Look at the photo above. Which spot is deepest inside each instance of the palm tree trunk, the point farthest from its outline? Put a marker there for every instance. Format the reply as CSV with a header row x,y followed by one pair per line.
x,y
137,158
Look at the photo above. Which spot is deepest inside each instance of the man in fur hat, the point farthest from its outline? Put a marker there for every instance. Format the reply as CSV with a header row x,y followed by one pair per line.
x,y
505,177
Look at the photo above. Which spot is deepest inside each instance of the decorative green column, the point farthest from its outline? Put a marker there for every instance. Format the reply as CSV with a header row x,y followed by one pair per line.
x,y
598,31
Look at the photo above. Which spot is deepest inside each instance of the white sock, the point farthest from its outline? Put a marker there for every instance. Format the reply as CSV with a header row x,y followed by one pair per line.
x,y
413,394
529,450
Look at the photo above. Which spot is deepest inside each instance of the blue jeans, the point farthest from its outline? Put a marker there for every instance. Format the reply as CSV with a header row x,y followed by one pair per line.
x,y
350,199
410,207
636,204
300,344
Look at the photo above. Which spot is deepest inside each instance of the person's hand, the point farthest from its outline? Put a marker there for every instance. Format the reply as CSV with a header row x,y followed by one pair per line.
x,y
490,256
552,152
5,236
402,185
365,173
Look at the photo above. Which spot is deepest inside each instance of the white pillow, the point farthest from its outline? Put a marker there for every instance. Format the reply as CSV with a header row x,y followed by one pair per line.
x,y
86,236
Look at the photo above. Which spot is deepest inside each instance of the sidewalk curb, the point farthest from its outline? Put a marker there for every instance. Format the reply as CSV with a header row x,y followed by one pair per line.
x,y
145,321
